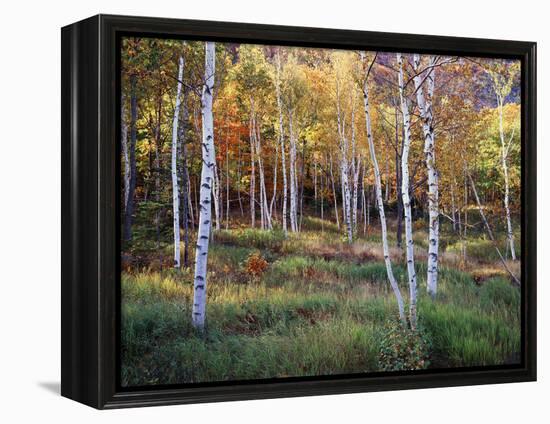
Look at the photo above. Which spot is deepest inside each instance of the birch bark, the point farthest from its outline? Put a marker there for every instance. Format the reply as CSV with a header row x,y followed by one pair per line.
x,y
378,192
344,166
281,139
425,106
293,185
266,218
504,159
129,209
208,162
334,195
406,198
124,142
252,134
175,188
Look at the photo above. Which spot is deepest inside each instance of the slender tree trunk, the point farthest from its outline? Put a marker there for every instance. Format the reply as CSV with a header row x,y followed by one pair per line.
x,y
158,139
321,194
275,169
293,187
266,218
239,175
378,188
184,177
406,198
129,209
252,136
334,195
386,174
504,154
302,179
208,163
347,198
465,226
344,167
425,107
398,152
281,139
227,184
175,188
355,168
364,204
124,142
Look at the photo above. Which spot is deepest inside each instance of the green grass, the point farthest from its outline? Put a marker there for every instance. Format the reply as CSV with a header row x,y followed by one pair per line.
x,y
307,315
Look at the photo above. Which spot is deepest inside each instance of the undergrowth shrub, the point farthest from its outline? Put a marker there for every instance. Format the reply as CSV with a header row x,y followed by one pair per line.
x,y
255,265
403,349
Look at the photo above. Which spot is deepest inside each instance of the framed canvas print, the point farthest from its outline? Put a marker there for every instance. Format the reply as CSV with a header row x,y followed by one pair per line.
x,y
254,211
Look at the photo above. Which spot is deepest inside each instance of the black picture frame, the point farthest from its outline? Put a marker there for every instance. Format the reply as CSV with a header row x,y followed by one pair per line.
x,y
91,224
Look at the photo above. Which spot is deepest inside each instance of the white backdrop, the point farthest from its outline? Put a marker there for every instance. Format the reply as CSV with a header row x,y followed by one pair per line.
x,y
30,212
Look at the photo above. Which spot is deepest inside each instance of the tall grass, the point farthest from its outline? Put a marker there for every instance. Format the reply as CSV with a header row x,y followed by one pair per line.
x,y
319,308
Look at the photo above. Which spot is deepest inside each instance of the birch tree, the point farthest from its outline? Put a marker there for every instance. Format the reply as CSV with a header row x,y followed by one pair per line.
x,y
264,208
502,77
292,93
344,165
378,187
129,209
175,188
334,194
293,181
252,132
405,195
281,136
207,176
424,82
124,142
355,167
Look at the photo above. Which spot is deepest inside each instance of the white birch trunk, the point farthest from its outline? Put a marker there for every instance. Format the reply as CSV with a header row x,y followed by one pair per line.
x,y
208,162
426,114
347,198
334,195
281,140
355,169
378,191
504,158
252,134
321,194
293,185
124,142
175,187
364,198
344,167
275,171
266,218
405,195
227,184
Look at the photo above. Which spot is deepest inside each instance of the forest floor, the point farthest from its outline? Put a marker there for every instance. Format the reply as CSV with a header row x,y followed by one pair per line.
x,y
310,304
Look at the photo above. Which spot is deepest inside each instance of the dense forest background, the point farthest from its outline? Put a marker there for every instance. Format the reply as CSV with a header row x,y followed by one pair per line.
x,y
337,211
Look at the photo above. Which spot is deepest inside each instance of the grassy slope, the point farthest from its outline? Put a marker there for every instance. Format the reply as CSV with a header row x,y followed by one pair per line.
x,y
321,307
